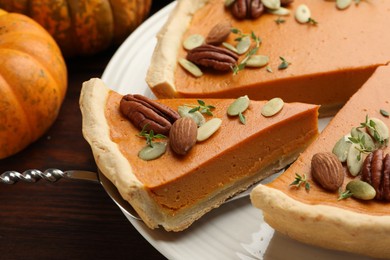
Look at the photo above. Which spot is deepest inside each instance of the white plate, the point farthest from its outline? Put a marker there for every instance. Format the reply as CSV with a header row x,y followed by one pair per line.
x,y
235,230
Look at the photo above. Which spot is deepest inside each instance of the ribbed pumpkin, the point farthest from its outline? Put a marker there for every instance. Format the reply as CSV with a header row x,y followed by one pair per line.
x,y
83,27
33,81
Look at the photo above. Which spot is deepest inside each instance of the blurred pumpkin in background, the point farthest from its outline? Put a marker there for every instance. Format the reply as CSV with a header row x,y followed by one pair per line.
x,y
83,27
33,82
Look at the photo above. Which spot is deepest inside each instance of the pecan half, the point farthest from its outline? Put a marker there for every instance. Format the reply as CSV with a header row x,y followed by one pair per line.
x,y
285,2
210,56
242,9
376,171
142,111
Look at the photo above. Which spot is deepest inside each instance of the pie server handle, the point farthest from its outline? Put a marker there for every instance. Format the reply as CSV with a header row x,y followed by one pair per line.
x,y
50,175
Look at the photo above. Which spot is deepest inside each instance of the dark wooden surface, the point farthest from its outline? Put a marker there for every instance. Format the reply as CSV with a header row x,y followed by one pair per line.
x,y
67,219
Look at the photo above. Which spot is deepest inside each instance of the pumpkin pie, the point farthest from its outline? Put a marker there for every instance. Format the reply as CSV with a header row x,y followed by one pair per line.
x,y
328,61
316,216
175,190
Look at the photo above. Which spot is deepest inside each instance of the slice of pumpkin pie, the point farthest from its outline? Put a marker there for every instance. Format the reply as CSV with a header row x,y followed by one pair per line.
x,y
305,50
346,172
174,160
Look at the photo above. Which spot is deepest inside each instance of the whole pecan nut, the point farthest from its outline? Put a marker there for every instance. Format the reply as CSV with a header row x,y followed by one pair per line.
x,y
242,9
210,56
144,112
376,171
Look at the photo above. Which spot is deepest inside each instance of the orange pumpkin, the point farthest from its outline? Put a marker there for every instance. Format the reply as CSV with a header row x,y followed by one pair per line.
x,y
83,27
33,81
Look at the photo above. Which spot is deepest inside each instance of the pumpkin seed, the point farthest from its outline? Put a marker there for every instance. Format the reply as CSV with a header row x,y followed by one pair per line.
x,y
343,4
149,153
243,45
238,106
361,190
196,116
368,141
229,2
230,47
380,127
355,159
302,13
208,129
257,61
341,148
282,11
193,41
190,67
271,4
272,107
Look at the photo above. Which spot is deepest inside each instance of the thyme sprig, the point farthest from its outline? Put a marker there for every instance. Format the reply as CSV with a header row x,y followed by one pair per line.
x,y
284,64
312,21
300,180
202,108
280,20
256,39
370,124
150,136
362,148
344,194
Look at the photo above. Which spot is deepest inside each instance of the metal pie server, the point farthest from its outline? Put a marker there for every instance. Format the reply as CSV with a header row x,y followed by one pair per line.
x,y
53,175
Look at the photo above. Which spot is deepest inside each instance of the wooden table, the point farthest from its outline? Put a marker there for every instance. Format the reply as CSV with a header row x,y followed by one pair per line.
x,y
67,219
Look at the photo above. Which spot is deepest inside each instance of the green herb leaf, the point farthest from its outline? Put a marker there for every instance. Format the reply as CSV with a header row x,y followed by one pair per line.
x,y
299,180
242,118
269,69
384,113
280,20
312,21
150,136
344,194
202,108
284,64
235,31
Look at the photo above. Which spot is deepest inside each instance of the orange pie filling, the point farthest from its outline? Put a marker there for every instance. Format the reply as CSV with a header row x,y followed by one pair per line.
x,y
235,154
373,97
324,218
328,62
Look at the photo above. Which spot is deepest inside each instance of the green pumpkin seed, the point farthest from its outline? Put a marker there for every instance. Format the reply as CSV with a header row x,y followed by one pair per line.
x,y
280,11
380,127
302,13
257,61
355,159
361,190
238,106
343,4
243,45
208,129
229,47
341,148
193,41
272,107
149,153
271,4
196,116
190,67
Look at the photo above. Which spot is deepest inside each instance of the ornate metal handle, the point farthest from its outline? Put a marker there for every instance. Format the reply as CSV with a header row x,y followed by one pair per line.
x,y
51,175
